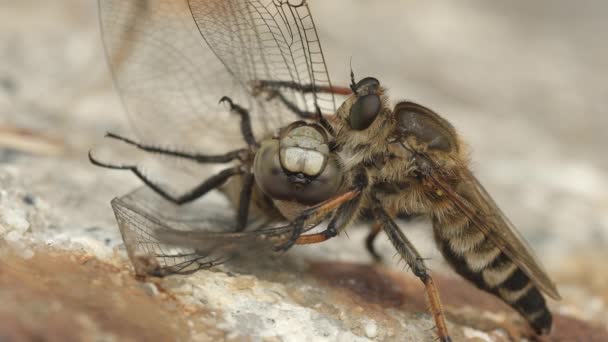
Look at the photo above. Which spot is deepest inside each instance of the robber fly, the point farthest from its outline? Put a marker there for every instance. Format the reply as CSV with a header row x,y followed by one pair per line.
x,y
365,159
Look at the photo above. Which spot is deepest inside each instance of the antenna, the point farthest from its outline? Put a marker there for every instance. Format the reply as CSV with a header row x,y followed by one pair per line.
x,y
352,76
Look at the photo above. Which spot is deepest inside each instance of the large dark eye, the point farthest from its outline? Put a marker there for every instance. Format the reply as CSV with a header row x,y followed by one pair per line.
x,y
364,111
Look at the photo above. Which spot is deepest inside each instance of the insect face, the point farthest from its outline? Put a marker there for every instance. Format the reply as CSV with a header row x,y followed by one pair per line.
x,y
297,166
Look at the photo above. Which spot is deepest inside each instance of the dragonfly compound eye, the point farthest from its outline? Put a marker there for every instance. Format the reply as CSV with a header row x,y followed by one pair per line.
x,y
298,167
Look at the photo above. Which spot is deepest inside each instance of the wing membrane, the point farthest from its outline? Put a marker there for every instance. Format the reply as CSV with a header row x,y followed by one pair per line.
x,y
172,60
480,208
169,80
163,239
267,40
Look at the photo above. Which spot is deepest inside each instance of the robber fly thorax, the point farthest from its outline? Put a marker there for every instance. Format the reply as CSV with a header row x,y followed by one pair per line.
x,y
387,140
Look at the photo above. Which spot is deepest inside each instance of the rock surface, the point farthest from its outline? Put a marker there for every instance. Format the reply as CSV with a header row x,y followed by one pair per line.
x,y
524,83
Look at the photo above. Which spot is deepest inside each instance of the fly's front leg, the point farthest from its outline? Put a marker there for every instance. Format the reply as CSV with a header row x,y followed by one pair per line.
x,y
273,90
305,88
343,217
347,205
407,251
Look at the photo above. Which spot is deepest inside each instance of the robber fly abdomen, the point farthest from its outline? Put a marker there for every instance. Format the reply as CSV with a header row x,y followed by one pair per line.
x,y
475,257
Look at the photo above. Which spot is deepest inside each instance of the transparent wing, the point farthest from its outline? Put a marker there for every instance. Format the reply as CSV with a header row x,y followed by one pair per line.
x,y
480,208
163,239
270,40
172,60
169,80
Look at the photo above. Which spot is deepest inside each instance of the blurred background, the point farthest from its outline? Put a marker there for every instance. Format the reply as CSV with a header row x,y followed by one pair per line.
x,y
523,82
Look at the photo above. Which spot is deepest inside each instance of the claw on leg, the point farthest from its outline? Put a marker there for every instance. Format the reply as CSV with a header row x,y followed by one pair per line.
x,y
316,213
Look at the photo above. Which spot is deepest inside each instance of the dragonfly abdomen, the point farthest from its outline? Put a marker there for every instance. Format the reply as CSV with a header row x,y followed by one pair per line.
x,y
476,258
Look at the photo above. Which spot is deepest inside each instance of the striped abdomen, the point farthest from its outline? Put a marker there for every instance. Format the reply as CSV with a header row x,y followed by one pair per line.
x,y
475,257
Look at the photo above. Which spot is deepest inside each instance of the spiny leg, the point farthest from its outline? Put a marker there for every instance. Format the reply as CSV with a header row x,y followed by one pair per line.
x,y
343,216
208,185
240,154
315,214
211,183
305,88
246,129
407,251
376,228
319,211
292,106
273,88
369,241
199,158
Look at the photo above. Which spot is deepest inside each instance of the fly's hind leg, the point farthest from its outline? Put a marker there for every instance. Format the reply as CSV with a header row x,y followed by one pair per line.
x,y
407,251
376,228
369,241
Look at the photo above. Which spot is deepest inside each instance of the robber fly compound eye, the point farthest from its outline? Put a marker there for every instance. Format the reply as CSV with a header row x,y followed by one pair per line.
x,y
364,111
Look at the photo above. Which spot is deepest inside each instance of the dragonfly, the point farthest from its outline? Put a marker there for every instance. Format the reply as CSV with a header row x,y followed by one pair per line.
x,y
303,160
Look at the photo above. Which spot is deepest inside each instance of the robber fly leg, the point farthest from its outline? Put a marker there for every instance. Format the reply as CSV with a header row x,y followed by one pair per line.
x,y
343,216
315,214
369,241
246,129
208,185
244,200
304,88
321,210
407,251
199,158
302,114
273,89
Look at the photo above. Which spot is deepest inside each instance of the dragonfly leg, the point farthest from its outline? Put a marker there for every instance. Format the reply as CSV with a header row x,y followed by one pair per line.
x,y
302,114
240,154
407,251
246,129
244,200
273,89
203,188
